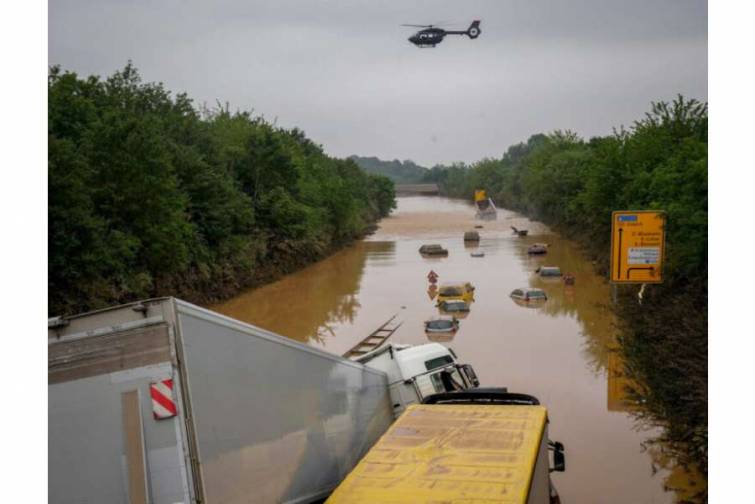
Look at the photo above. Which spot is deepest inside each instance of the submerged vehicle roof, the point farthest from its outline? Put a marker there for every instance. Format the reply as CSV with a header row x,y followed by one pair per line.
x,y
529,291
550,270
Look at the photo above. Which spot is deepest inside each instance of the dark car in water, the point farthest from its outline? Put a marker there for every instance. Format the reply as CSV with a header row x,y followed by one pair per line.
x,y
453,306
442,325
537,249
471,236
433,250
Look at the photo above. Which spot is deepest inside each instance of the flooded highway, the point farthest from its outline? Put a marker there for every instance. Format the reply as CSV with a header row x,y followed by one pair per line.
x,y
561,351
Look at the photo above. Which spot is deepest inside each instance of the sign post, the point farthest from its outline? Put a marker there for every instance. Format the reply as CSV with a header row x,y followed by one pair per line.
x,y
638,241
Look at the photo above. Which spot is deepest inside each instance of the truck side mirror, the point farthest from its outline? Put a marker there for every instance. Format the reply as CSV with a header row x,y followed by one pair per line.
x,y
559,459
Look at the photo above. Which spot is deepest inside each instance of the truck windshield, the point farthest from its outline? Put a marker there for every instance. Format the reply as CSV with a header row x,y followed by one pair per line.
x,y
437,362
447,381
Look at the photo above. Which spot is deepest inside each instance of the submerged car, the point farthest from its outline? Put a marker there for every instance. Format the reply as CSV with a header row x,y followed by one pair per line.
x,y
442,325
456,290
549,271
433,250
471,236
454,305
529,294
537,249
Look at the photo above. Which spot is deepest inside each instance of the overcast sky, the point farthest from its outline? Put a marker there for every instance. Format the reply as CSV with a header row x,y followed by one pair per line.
x,y
344,72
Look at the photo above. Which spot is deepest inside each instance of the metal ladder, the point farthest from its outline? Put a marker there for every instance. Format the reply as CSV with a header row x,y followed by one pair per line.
x,y
375,339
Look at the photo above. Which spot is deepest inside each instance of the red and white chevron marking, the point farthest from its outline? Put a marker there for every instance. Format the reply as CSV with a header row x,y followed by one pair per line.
x,y
163,404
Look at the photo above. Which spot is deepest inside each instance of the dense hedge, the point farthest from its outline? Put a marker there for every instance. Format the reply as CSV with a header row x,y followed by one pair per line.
x,y
149,196
574,185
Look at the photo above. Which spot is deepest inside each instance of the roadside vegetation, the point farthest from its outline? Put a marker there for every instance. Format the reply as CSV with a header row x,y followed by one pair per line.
x,y
149,196
572,184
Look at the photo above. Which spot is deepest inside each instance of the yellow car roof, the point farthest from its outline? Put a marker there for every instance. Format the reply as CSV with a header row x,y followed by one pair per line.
x,y
450,453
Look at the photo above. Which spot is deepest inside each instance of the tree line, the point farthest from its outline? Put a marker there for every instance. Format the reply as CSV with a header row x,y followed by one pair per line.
x,y
400,172
572,184
150,196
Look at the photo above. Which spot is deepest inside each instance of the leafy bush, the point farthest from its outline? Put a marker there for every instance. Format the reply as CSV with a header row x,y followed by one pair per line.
x,y
149,196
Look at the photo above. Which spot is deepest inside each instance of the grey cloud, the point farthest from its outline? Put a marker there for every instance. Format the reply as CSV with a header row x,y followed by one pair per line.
x,y
344,72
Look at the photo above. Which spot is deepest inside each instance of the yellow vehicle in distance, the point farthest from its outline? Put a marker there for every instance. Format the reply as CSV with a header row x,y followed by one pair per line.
x,y
456,290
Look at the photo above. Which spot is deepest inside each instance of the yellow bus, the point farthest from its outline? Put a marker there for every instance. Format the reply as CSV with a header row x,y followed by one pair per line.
x,y
479,445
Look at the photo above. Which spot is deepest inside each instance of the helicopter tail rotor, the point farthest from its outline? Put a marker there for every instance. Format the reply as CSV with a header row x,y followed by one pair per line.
x,y
474,29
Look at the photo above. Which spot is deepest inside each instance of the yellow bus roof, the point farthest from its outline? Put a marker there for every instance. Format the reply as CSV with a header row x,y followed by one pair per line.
x,y
450,453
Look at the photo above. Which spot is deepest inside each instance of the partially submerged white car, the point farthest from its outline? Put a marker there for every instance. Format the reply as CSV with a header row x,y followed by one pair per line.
x,y
529,294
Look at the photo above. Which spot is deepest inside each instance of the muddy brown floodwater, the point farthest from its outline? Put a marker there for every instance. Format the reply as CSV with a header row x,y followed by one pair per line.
x,y
561,352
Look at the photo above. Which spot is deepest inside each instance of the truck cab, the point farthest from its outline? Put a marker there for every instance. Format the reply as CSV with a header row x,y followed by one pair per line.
x,y
419,371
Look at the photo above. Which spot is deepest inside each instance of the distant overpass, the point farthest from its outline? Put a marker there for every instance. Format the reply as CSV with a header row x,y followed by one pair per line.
x,y
409,189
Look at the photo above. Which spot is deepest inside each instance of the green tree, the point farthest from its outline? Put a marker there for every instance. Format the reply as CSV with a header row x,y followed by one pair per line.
x,y
149,196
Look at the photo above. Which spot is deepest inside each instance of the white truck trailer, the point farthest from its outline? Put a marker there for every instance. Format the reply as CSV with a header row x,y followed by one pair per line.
x,y
162,402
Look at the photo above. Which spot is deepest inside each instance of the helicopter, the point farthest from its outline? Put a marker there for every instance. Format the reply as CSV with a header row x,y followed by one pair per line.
x,y
431,35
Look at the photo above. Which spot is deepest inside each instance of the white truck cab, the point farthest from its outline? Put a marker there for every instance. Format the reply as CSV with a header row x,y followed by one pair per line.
x,y
418,371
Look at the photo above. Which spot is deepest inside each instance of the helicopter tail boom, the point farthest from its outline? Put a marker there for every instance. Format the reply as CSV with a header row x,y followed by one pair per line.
x,y
474,29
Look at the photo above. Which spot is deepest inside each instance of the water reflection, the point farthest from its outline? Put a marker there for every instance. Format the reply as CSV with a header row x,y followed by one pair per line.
x,y
311,304
445,337
432,291
618,384
586,300
533,304
460,315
